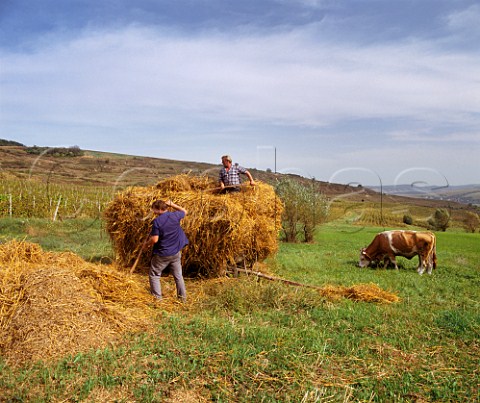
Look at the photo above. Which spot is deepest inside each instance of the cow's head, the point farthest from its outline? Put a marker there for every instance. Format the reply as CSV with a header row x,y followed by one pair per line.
x,y
364,258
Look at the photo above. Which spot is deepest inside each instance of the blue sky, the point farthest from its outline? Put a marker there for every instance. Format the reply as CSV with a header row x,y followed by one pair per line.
x,y
344,91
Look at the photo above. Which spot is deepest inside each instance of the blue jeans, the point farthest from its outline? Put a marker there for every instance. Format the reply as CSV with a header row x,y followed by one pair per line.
x,y
160,263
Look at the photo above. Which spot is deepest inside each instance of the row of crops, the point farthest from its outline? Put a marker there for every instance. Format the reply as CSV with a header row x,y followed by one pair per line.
x,y
28,198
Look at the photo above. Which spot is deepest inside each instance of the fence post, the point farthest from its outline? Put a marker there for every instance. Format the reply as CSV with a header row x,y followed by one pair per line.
x,y
56,209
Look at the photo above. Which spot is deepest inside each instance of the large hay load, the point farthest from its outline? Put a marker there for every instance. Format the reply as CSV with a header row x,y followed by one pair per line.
x,y
222,229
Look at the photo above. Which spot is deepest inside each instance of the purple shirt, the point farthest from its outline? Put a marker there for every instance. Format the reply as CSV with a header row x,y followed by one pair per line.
x,y
171,238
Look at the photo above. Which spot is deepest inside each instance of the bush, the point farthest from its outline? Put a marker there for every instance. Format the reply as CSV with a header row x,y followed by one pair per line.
x,y
305,208
74,151
407,219
440,220
4,142
471,222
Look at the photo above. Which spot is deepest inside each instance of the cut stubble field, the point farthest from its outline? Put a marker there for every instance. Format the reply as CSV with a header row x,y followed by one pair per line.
x,y
250,339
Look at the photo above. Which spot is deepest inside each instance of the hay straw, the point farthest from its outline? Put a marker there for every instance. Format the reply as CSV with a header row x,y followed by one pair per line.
x,y
222,229
20,251
53,304
359,292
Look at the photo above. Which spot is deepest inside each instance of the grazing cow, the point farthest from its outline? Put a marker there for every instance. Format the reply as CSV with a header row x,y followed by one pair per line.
x,y
388,244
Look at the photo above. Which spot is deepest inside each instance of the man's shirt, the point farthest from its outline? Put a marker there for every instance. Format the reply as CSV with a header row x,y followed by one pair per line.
x,y
171,238
232,177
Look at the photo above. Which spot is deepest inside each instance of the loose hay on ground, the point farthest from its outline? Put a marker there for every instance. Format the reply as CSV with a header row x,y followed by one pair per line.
x,y
56,304
359,292
53,304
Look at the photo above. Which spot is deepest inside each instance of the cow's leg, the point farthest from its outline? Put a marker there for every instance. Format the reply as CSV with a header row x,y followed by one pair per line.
x,y
430,259
395,263
390,258
430,264
421,266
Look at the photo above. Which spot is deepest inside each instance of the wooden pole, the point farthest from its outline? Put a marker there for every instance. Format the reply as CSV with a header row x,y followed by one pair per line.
x,y
139,255
271,278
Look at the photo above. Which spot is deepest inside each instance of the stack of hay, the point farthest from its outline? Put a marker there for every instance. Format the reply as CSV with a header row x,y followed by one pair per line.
x,y
223,229
54,304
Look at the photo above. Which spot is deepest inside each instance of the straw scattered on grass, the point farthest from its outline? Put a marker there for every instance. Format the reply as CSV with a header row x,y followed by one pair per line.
x,y
56,304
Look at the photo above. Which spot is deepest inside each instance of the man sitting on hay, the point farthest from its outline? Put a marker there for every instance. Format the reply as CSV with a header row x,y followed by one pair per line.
x,y
229,178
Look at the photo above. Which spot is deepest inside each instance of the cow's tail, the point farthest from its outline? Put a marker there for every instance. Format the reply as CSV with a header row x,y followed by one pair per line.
x,y
433,252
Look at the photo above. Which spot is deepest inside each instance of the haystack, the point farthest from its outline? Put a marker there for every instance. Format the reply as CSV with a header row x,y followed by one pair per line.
x,y
223,229
54,304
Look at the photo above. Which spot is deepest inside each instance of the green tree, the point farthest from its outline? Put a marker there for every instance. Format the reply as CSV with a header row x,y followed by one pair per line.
x,y
440,220
305,208
471,222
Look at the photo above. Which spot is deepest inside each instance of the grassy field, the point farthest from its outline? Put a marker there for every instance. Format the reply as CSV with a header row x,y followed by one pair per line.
x,y
258,340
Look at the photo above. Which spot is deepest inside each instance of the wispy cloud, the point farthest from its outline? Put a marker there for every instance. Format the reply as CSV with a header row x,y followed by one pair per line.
x,y
465,21
288,77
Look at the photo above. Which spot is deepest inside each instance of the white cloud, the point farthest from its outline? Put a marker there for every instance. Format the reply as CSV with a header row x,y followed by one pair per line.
x,y
454,137
407,164
465,22
287,78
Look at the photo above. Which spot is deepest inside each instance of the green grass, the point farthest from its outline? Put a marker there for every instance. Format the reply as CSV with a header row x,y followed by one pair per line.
x,y
85,237
256,340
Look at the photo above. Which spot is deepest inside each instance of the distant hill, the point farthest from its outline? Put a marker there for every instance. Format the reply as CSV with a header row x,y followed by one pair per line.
x,y
4,142
104,169
466,194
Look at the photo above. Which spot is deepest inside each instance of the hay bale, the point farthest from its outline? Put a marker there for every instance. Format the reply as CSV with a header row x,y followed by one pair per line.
x,y
222,229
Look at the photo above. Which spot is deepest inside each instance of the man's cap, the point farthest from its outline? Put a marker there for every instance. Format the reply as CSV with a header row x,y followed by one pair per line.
x,y
227,157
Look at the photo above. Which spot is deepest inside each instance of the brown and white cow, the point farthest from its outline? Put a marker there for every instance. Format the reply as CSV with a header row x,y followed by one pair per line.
x,y
388,244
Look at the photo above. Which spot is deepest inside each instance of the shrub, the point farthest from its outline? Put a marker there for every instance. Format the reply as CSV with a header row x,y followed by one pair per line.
x,y
407,219
305,208
4,142
440,220
471,222
74,151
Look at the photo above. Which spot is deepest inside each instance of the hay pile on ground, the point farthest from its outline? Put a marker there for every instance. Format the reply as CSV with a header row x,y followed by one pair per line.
x,y
55,304
222,229
359,292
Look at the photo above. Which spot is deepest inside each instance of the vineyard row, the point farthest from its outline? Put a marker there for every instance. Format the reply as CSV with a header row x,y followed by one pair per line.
x,y
24,199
